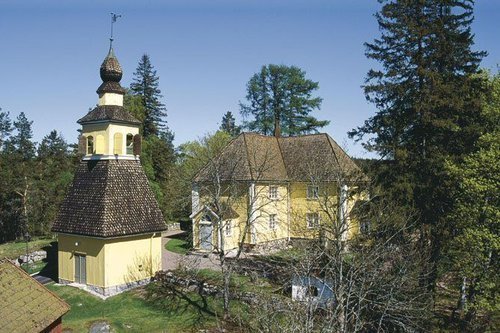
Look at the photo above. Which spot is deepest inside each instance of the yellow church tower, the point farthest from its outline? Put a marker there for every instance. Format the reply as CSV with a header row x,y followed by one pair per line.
x,y
109,225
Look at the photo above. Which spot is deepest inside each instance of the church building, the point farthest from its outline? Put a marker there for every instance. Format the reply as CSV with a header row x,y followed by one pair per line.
x,y
109,225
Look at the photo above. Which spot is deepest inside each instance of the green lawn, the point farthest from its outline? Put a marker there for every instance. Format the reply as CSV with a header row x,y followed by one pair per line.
x,y
129,312
238,283
34,267
177,246
13,250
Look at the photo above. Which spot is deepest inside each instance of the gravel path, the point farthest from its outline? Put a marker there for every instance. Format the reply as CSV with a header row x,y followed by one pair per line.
x,y
171,260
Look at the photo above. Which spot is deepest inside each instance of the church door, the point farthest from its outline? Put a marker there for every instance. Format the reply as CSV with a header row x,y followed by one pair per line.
x,y
80,268
206,234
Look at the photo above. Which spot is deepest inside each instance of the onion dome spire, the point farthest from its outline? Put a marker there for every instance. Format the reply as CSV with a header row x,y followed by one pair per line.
x,y
111,74
110,68
111,71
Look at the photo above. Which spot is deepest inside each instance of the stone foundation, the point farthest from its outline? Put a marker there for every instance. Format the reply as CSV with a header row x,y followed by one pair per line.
x,y
270,247
107,291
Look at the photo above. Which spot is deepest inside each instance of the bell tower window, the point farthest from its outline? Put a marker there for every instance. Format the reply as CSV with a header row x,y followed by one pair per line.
x,y
90,145
118,144
99,144
130,144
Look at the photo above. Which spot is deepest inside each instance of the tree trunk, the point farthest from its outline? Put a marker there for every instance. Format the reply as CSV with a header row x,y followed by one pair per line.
x,y
227,278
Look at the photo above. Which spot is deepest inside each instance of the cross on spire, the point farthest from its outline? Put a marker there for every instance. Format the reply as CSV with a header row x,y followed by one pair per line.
x,y
114,17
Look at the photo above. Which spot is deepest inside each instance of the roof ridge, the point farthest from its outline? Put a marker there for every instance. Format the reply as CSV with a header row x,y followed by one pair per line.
x,y
333,150
283,137
105,200
330,140
248,156
222,150
282,157
303,135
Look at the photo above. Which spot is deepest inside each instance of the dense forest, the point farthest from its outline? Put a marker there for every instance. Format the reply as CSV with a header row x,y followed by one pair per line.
x,y
436,130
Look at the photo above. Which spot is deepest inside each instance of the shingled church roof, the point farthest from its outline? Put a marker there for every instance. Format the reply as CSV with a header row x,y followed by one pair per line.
x,y
109,198
26,305
115,113
111,74
256,157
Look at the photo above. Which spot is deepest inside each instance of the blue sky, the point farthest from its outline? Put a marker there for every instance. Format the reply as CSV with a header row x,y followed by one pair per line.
x,y
204,52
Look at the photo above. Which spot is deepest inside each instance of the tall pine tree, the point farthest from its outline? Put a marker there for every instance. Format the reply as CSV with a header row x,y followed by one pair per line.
x,y
280,102
146,84
158,154
228,124
5,127
428,99
5,176
54,172
18,158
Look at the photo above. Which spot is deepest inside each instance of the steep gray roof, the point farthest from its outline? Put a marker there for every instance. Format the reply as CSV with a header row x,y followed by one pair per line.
x,y
252,156
109,198
109,113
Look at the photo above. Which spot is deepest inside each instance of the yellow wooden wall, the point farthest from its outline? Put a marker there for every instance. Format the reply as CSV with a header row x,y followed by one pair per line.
x,y
93,248
265,207
108,131
110,262
290,208
132,259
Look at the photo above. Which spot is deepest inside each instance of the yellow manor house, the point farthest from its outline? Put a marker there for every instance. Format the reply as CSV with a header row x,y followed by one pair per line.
x,y
263,191
109,225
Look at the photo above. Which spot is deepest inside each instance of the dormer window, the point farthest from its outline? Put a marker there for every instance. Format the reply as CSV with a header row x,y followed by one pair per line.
x,y
90,145
130,144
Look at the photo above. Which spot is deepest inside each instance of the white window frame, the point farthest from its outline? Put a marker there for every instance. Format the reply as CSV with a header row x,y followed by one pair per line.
x,y
312,220
273,222
312,192
364,227
129,144
273,192
90,145
228,228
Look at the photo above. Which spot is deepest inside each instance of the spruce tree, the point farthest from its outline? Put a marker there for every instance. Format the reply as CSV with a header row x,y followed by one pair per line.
x,y
5,177
427,92
228,124
54,173
280,101
5,127
146,84
18,158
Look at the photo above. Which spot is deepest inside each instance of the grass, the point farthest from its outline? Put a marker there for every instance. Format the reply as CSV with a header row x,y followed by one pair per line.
x,y
179,246
286,255
34,267
238,283
12,250
130,312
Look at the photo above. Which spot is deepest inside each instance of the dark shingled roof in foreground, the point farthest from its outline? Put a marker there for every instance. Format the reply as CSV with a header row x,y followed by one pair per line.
x,y
109,113
26,305
252,156
109,198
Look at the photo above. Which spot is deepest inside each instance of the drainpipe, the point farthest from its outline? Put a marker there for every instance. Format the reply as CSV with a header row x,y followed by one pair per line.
x,y
343,211
151,253
195,207
251,195
288,205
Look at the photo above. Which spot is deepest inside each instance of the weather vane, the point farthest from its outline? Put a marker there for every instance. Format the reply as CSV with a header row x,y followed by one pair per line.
x,y
114,17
